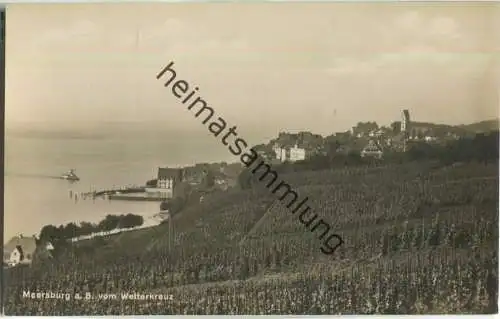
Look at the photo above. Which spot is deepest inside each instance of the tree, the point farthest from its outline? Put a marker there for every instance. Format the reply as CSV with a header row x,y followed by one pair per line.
x,y
482,148
245,179
353,157
332,145
421,151
208,179
365,127
60,232
49,233
109,223
318,162
396,127
265,149
486,147
173,205
182,189
86,228
130,220
70,231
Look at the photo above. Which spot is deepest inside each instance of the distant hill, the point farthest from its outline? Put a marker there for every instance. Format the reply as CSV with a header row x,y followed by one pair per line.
x,y
478,127
483,126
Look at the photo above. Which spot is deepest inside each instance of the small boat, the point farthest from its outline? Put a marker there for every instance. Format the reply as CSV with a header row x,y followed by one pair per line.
x,y
70,176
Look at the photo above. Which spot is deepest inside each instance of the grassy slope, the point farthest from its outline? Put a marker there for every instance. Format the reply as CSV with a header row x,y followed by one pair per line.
x,y
359,205
366,206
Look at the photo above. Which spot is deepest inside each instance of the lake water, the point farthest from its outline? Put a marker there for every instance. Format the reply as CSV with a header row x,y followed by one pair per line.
x,y
34,197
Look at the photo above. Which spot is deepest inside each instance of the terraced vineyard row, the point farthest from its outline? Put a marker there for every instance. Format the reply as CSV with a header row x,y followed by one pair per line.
x,y
416,240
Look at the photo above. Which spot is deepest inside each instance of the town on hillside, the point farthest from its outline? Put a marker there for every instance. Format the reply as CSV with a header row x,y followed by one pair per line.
x,y
368,139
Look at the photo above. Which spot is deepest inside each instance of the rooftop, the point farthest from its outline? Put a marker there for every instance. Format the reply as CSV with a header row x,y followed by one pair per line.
x,y
164,172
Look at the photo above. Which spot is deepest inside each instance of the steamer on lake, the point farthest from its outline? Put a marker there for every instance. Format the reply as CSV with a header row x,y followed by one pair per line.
x,y
70,176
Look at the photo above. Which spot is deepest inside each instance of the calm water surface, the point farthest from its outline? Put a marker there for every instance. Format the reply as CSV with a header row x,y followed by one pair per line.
x,y
34,197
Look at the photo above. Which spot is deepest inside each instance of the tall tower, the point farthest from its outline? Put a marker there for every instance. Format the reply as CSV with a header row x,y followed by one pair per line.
x,y
405,123
405,120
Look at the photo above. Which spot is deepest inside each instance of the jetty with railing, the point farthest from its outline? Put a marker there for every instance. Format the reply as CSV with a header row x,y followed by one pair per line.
x,y
130,193
106,193
121,190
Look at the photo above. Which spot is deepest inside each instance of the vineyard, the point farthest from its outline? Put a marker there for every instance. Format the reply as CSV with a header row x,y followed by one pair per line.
x,y
419,238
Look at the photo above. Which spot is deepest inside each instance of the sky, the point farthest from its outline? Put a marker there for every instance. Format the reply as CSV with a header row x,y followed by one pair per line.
x,y
266,67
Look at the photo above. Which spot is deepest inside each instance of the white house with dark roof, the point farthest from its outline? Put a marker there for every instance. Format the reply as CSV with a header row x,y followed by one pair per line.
x,y
280,152
19,250
291,154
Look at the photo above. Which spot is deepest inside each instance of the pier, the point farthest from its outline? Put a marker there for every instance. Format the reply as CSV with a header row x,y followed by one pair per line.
x,y
122,190
128,193
136,193
140,197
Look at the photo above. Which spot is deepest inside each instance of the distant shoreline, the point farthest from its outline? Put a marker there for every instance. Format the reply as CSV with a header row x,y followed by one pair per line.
x,y
34,134
103,130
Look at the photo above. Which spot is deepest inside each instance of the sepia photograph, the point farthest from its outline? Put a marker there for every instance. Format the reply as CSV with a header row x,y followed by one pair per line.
x,y
265,158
